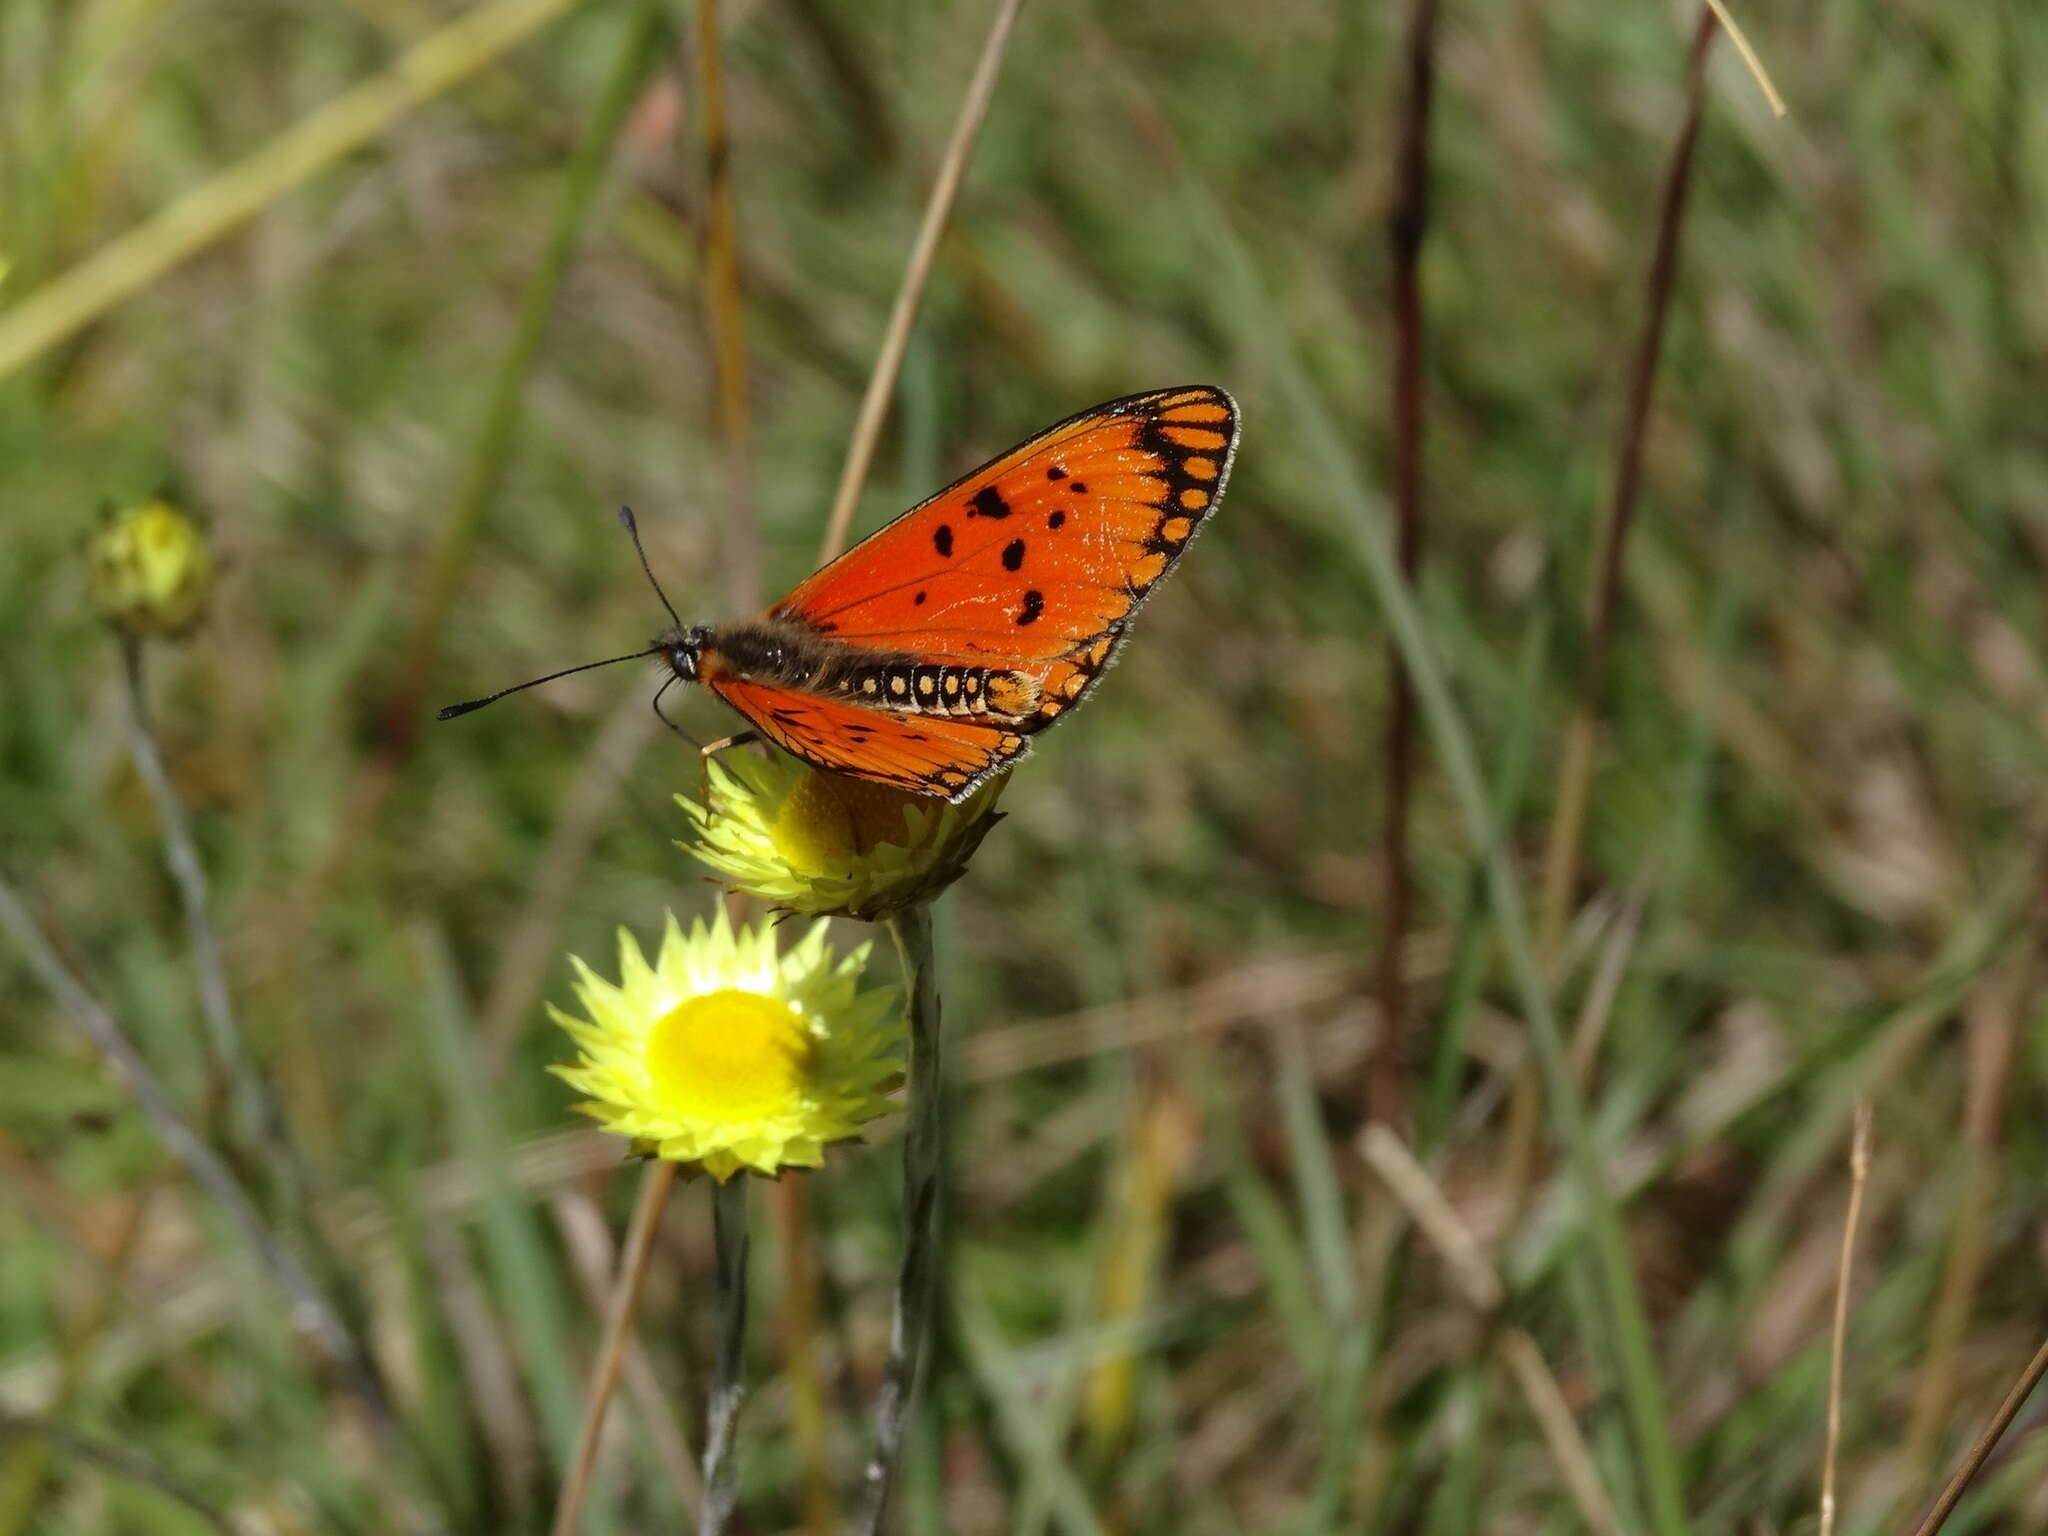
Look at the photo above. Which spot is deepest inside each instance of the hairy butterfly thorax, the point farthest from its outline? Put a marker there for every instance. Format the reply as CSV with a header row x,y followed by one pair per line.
x,y
927,656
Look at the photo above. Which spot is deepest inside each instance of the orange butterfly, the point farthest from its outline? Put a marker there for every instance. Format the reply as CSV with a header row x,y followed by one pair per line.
x,y
926,656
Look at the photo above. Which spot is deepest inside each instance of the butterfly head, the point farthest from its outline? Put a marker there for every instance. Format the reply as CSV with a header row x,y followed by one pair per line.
x,y
683,649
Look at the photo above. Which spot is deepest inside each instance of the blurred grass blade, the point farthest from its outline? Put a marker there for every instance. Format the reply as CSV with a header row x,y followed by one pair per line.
x,y
1263,333
728,318
312,1313
493,445
1315,1174
1263,1220
115,1460
133,261
1565,846
982,1345
1889,1047
527,1284
874,405
1471,946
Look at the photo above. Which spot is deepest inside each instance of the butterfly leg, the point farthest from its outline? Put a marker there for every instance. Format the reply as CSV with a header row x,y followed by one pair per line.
x,y
705,754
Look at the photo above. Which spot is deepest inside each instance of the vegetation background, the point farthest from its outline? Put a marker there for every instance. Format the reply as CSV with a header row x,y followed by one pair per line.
x,y
1180,1298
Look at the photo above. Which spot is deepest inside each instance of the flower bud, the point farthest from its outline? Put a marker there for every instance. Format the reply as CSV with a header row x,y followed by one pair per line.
x,y
814,842
151,570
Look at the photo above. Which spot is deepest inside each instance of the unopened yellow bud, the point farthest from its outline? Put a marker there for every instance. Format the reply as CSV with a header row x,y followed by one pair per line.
x,y
151,570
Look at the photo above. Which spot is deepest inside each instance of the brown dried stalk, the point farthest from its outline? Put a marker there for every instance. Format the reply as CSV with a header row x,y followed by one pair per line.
x,y
1859,1175
1407,220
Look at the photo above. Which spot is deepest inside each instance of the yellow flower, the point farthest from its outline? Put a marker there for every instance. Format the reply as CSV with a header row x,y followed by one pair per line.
x,y
150,569
723,1054
816,842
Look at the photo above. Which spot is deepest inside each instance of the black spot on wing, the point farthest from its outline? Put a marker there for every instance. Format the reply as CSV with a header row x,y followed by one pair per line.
x,y
1034,605
1056,519
1055,473
1013,555
942,540
988,502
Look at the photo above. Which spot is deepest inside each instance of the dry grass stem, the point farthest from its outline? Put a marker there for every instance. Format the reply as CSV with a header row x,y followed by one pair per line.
x,y
1979,1453
1749,57
1409,1182
618,1332
1859,1175
588,1241
131,262
1598,1006
1524,1361
874,405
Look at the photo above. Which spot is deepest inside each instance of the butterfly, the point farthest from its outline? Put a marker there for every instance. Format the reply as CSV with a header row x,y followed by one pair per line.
x,y
928,655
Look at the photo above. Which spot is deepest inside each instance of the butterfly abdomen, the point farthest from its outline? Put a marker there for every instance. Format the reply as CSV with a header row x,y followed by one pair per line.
x,y
790,656
929,688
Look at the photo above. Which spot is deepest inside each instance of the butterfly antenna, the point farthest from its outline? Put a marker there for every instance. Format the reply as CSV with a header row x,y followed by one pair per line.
x,y
462,709
632,526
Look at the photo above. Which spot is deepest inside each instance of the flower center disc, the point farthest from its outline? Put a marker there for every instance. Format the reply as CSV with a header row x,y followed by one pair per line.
x,y
727,1056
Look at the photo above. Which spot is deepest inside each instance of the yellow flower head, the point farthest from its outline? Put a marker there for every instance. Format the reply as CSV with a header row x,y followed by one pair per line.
x,y
150,569
723,1053
818,842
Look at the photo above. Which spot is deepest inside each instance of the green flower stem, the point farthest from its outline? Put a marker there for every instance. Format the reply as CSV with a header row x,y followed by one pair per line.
x,y
729,1378
224,1036
917,1281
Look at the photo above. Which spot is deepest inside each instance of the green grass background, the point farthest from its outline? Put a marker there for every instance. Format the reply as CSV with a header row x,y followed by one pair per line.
x,y
1814,853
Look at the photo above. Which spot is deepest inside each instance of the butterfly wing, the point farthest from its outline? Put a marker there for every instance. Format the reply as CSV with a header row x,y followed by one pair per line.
x,y
1037,560
926,754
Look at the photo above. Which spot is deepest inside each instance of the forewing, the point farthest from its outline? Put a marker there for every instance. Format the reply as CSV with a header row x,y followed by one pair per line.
x,y
1041,555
